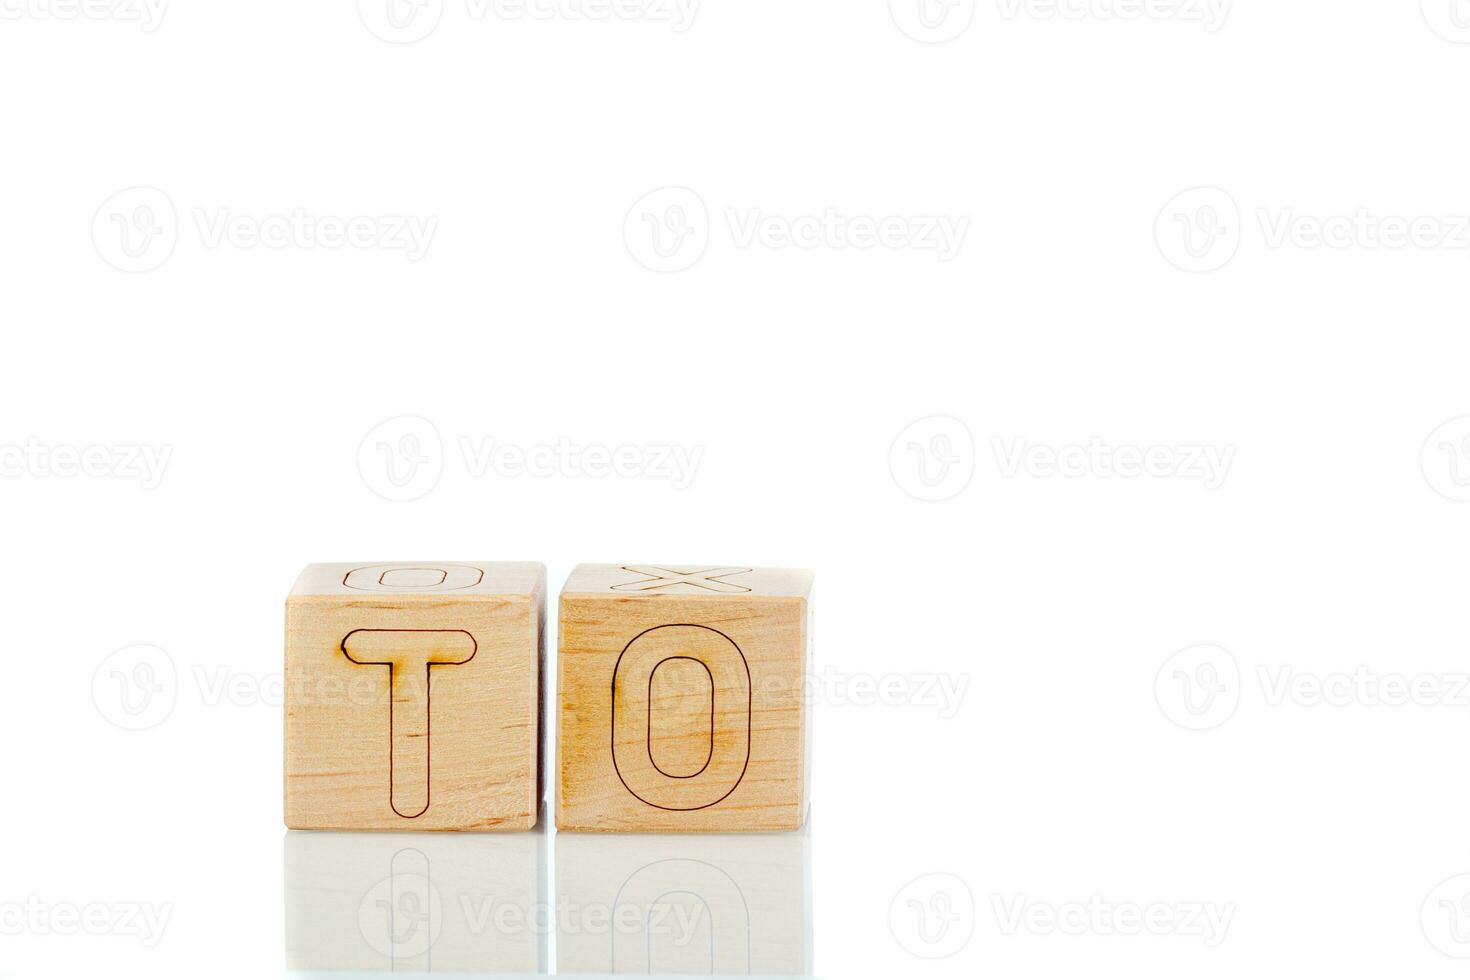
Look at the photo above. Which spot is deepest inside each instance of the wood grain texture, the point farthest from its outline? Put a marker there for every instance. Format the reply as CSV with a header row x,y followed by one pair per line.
x,y
681,699
413,696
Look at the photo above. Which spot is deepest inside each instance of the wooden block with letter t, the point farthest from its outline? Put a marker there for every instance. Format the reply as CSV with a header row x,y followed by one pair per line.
x,y
413,696
681,699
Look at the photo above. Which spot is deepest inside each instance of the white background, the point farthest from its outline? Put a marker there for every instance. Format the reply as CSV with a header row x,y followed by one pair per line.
x,y
1095,300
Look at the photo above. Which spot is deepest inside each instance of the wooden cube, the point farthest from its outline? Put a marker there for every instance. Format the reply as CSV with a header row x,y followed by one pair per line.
x,y
413,696
681,699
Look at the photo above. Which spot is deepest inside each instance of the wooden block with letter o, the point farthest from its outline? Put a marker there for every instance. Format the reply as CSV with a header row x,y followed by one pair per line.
x,y
681,699
413,696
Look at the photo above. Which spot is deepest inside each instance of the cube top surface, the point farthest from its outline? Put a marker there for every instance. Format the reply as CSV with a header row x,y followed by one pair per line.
x,y
687,580
406,579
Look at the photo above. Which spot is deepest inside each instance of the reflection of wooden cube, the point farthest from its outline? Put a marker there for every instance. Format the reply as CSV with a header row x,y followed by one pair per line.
x,y
686,905
681,699
413,696
466,904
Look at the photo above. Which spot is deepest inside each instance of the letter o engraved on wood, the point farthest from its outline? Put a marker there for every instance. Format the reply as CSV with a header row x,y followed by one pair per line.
x,y
413,578
681,713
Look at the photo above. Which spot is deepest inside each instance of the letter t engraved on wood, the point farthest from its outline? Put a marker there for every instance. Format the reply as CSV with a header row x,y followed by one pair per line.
x,y
410,656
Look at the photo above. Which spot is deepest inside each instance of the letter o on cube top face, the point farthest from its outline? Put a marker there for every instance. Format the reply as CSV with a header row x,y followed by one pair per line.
x,y
681,699
414,578
413,696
